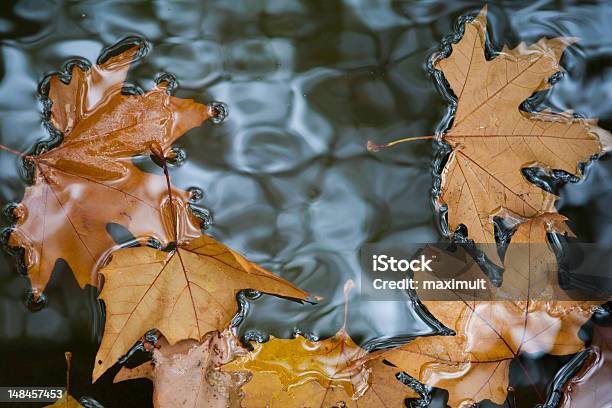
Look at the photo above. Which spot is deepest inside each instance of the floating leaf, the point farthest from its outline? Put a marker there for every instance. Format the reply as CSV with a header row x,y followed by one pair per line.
x,y
184,293
493,140
299,372
88,180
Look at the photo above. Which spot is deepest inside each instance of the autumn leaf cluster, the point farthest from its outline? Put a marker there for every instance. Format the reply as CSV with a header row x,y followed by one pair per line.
x,y
173,278
483,184
185,285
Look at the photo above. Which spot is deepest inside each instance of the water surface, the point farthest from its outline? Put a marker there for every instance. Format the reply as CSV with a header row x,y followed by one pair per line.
x,y
286,177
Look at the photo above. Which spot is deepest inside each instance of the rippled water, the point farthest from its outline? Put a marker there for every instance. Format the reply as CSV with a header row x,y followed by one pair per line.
x,y
287,176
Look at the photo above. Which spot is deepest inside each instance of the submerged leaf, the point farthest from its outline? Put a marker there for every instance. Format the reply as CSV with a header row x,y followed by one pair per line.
x,y
186,374
382,389
473,365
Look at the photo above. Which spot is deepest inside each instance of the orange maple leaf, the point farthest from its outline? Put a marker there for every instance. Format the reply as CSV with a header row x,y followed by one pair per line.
x,y
88,180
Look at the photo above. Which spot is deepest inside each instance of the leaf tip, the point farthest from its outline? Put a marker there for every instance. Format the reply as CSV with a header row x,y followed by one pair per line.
x,y
313,299
481,18
217,112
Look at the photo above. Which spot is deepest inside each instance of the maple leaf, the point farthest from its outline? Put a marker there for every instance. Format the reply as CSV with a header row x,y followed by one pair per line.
x,y
88,180
184,293
299,372
492,140
186,374
590,388
530,265
474,364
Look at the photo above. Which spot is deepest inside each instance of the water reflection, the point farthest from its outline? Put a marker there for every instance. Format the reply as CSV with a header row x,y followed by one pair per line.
x,y
286,176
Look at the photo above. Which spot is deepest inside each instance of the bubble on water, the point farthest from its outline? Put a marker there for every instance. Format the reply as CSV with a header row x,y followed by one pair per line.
x,y
142,350
254,335
251,294
131,89
13,212
35,300
166,81
122,46
177,156
217,111
195,194
154,243
424,391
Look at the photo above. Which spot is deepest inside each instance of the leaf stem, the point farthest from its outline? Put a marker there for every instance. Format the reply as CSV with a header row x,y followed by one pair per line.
x,y
348,286
374,147
8,149
68,357
159,153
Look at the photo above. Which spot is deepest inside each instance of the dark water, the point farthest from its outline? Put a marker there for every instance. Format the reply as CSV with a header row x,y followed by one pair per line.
x,y
286,177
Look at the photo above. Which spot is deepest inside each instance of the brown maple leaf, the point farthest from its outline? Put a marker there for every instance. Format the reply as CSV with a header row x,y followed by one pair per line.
x,y
184,293
186,374
530,265
88,180
302,373
473,365
492,140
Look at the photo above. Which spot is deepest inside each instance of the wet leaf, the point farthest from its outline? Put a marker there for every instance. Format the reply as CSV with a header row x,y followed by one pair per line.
x,y
530,265
184,293
88,180
473,364
302,373
186,374
492,139
591,387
